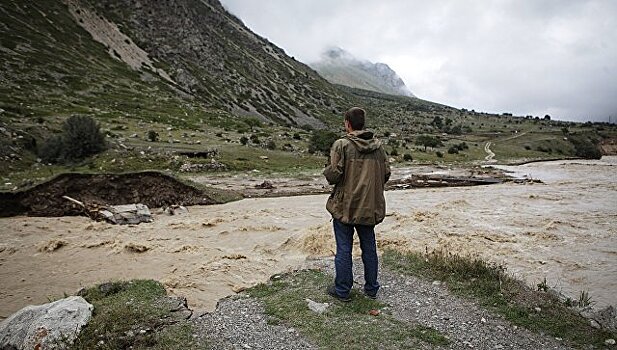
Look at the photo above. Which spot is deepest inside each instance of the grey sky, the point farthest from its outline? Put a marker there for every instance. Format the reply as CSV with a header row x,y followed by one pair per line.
x,y
537,57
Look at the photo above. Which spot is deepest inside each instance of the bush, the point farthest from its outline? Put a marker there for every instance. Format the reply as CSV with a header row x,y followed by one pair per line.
x,y
81,137
153,136
428,141
407,157
453,150
255,139
394,152
244,140
439,154
297,136
271,145
584,147
252,122
321,141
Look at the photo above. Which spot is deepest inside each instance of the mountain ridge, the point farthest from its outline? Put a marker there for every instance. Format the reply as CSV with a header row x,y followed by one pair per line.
x,y
341,67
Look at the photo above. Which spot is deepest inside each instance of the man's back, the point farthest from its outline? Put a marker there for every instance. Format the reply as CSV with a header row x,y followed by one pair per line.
x,y
359,169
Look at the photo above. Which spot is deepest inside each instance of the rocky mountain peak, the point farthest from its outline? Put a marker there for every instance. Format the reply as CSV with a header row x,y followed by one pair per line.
x,y
341,67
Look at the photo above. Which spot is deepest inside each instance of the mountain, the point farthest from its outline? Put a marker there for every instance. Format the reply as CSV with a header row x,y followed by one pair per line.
x,y
176,60
340,67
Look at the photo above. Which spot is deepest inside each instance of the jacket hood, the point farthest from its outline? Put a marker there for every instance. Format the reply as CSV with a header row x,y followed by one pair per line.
x,y
364,141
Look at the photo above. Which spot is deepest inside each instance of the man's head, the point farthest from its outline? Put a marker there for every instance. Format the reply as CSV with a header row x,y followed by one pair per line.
x,y
354,119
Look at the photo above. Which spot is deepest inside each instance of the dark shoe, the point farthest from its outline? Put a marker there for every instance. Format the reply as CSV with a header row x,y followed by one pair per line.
x,y
332,292
370,295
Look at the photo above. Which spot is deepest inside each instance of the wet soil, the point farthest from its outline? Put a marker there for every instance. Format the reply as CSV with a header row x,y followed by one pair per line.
x,y
153,189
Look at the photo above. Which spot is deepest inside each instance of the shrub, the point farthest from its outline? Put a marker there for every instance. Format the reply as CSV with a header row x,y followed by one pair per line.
x,y
407,157
153,136
297,136
456,130
271,145
453,150
584,147
321,141
252,122
394,152
439,154
81,137
254,139
244,140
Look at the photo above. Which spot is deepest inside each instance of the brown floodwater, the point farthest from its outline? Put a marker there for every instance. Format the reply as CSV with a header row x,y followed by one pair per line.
x,y
564,230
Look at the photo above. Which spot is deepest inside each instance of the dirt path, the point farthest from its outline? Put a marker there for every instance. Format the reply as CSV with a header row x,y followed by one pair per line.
x,y
490,154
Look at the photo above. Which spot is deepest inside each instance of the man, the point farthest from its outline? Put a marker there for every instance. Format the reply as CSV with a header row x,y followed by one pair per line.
x,y
358,170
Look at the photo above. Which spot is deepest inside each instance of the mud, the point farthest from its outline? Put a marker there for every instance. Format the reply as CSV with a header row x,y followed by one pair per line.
x,y
150,188
257,185
563,230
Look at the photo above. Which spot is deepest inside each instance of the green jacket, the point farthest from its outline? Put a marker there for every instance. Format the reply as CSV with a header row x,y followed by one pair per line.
x,y
358,170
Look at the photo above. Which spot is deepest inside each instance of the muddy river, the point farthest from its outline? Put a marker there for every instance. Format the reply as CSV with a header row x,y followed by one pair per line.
x,y
564,230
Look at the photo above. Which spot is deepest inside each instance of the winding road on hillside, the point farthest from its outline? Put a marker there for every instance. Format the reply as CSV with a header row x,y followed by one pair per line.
x,y
490,154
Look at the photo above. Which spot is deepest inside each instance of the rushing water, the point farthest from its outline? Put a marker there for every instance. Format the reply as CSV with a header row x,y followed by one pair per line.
x,y
564,230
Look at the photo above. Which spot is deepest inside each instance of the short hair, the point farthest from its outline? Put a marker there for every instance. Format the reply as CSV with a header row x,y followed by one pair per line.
x,y
355,116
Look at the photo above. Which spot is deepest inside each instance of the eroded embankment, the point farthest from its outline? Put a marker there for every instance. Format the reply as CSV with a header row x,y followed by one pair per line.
x,y
151,188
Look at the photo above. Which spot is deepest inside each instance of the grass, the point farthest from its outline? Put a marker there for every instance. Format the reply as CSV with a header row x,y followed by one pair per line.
x,y
343,325
133,315
494,289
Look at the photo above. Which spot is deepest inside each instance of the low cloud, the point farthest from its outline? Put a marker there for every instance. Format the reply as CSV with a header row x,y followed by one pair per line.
x,y
526,57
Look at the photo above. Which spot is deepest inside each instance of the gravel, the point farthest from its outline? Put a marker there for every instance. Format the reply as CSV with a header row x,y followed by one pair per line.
x,y
240,323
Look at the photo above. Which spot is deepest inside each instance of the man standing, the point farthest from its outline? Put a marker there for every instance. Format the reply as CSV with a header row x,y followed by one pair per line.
x,y
358,170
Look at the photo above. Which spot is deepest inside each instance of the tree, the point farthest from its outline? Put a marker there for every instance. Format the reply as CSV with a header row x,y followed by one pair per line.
x,y
428,141
547,117
437,122
321,141
81,137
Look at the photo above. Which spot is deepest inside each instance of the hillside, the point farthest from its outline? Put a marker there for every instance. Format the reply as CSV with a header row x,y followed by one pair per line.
x,y
340,67
166,78
169,58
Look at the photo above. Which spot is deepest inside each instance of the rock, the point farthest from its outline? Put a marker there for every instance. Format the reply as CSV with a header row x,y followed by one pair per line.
x,y
136,248
176,210
609,341
238,289
607,318
127,214
537,309
317,307
263,157
266,185
374,312
39,326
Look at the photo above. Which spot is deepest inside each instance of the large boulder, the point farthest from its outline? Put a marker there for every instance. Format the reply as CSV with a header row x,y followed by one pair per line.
x,y
42,326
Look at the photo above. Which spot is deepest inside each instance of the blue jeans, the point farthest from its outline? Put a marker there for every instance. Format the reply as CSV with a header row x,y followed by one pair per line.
x,y
342,262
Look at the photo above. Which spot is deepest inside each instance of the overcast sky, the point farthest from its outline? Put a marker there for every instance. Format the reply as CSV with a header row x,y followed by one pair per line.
x,y
537,57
